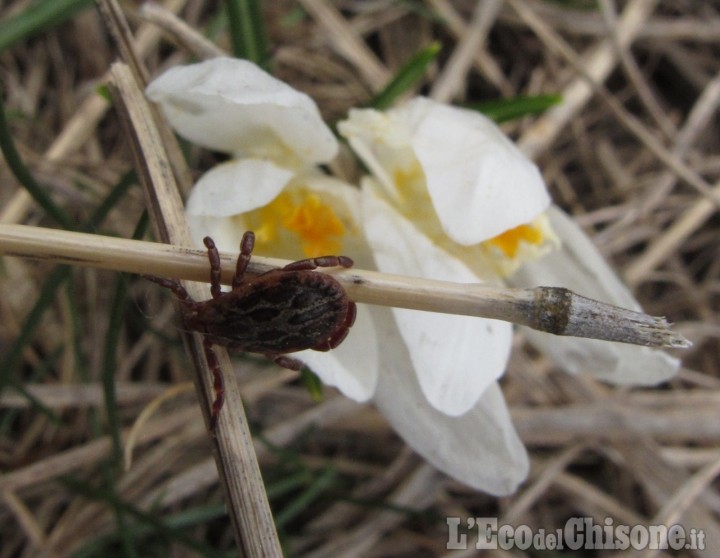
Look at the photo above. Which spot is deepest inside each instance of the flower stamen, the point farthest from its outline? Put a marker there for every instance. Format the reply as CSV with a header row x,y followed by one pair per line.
x,y
307,217
509,241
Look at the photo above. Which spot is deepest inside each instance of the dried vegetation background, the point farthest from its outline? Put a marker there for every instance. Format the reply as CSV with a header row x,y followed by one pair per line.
x,y
632,152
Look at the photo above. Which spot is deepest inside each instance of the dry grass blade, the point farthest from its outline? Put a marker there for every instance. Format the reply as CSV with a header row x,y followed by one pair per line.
x,y
683,501
549,309
347,43
237,464
180,31
636,13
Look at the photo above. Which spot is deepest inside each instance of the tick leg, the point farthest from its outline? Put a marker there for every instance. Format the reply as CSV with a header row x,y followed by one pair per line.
x,y
177,289
287,362
322,261
218,382
214,258
246,247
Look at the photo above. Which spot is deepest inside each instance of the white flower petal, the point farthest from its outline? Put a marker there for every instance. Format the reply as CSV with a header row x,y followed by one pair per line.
x,y
456,364
382,141
580,267
228,190
353,366
237,186
480,448
456,357
233,106
224,232
480,183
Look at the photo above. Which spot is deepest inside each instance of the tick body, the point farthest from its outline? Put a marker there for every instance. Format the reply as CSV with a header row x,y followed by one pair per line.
x,y
281,311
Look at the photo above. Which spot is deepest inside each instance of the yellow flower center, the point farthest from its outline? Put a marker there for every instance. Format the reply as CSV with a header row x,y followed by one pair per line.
x,y
406,178
510,240
498,256
307,217
413,200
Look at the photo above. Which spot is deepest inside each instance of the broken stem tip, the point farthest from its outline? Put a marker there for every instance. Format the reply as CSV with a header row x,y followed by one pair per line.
x,y
562,312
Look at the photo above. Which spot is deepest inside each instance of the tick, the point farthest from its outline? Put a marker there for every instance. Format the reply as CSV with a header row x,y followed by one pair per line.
x,y
281,311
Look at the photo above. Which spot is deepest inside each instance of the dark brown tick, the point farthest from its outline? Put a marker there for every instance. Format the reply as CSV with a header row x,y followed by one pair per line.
x,y
278,312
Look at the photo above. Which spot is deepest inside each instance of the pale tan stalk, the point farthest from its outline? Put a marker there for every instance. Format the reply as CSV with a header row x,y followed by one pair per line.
x,y
235,456
549,309
163,174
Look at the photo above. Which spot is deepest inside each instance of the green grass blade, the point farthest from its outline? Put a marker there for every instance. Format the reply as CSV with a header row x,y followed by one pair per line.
x,y
7,417
247,30
409,75
56,279
112,338
147,526
322,483
21,172
11,362
312,383
111,200
503,110
37,18
290,482
109,367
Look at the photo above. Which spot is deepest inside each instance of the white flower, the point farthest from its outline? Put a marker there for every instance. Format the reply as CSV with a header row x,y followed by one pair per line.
x,y
233,106
501,227
449,197
275,136
479,183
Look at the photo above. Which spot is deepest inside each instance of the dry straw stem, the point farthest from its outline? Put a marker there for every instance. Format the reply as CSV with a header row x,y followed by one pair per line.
x,y
188,37
237,464
347,43
549,309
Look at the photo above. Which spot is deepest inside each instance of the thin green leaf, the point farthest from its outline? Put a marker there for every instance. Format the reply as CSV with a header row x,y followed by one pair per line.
x,y
312,383
109,368
38,373
77,338
503,110
11,362
247,30
288,483
56,278
303,501
148,523
21,172
408,76
37,18
112,338
104,91
111,200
